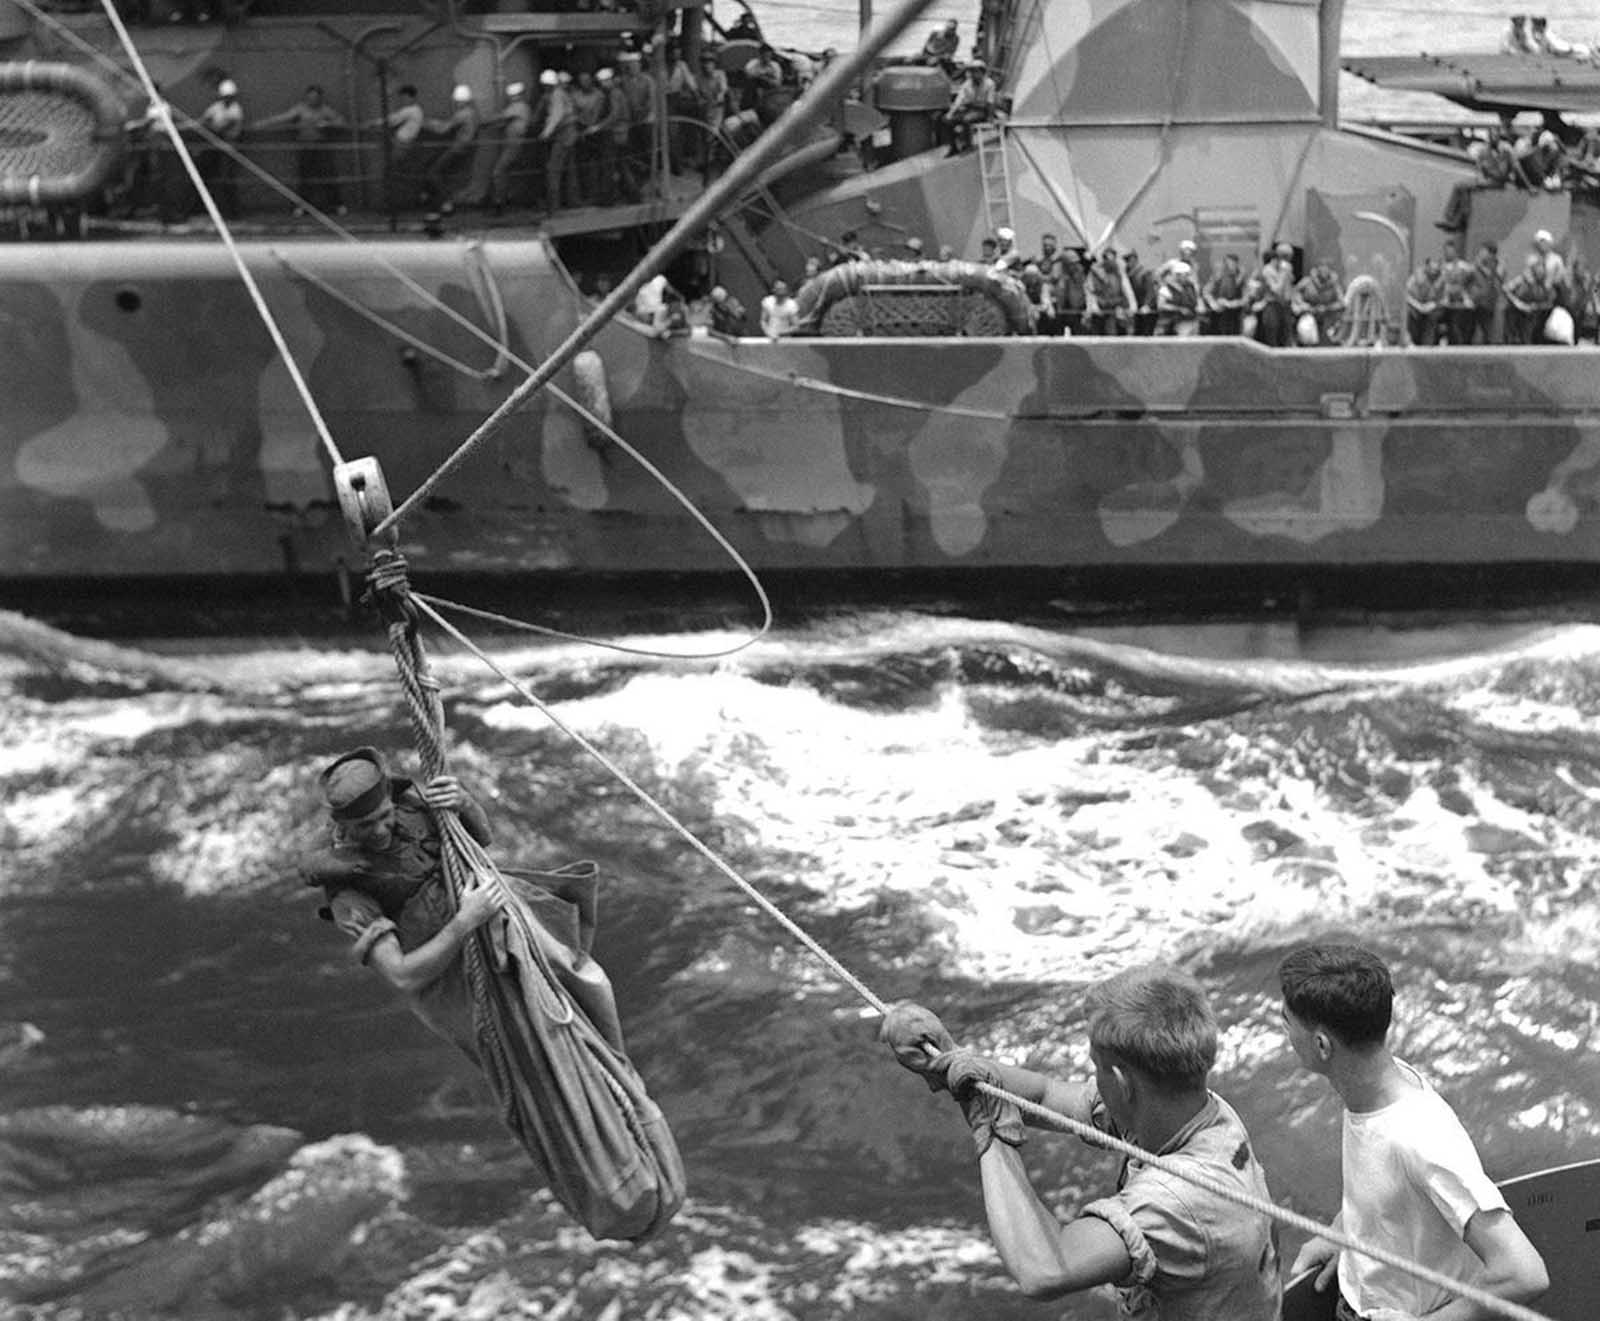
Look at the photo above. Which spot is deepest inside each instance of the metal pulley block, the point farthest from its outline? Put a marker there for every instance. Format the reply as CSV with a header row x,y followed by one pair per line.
x,y
364,501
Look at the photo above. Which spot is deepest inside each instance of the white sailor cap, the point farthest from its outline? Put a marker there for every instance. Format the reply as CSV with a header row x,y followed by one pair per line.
x,y
548,78
461,93
1187,245
1544,236
516,89
227,87
605,75
1006,234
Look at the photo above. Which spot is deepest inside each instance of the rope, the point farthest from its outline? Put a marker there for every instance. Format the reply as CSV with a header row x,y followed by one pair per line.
x,y
663,812
1054,1119
490,616
163,114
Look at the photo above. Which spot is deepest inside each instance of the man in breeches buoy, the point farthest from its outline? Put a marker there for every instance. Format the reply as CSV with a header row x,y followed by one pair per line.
x,y
383,876
524,1000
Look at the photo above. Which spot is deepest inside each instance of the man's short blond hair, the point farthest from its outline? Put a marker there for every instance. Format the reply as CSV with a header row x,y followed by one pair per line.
x,y
1156,1019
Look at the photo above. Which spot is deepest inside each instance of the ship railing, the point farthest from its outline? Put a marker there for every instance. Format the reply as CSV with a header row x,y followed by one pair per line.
x,y
362,174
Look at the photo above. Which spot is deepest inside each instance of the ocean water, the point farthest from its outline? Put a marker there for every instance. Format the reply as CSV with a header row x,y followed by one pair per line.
x,y
207,1111
1370,27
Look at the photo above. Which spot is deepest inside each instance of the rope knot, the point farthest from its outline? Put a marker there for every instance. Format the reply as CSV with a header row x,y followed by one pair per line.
x,y
389,589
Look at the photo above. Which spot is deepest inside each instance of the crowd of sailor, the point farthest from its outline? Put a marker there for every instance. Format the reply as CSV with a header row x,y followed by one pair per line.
x,y
591,135
1278,301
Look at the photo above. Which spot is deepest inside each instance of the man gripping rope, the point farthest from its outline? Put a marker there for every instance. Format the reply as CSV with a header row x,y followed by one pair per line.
x,y
1172,1248
530,1007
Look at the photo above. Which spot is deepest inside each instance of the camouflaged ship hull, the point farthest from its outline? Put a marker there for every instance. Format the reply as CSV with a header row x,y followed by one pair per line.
x,y
146,428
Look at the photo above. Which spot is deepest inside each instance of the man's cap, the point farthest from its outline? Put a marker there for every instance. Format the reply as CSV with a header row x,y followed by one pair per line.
x,y
516,89
780,287
1187,245
915,244
227,87
563,77
1544,236
718,294
628,57
461,93
1005,234
549,78
979,65
604,76
355,784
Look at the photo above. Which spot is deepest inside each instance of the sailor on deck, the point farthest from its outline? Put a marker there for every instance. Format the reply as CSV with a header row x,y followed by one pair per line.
x,y
1412,1178
1109,300
1171,1248
1515,41
460,129
942,45
780,313
512,124
404,124
314,122
975,100
218,160
559,135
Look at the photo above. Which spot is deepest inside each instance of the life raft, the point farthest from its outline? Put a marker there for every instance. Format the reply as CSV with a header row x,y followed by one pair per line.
x,y
914,299
61,132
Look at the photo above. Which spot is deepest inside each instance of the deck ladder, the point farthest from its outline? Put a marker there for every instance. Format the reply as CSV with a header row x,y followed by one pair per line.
x,y
994,167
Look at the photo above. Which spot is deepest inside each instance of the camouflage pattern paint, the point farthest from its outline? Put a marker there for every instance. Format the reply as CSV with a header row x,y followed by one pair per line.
x,y
146,429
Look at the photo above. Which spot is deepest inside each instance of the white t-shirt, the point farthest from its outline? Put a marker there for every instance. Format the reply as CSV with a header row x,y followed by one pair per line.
x,y
651,300
779,316
1412,1181
406,123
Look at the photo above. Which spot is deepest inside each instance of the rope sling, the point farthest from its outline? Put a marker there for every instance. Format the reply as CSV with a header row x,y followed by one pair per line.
x,y
565,1086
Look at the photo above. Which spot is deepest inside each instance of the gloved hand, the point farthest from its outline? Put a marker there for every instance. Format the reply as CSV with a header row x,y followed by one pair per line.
x,y
907,1028
987,1116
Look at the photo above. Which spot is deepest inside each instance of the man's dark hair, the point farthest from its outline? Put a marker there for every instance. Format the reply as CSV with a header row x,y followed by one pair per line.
x,y
1343,988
